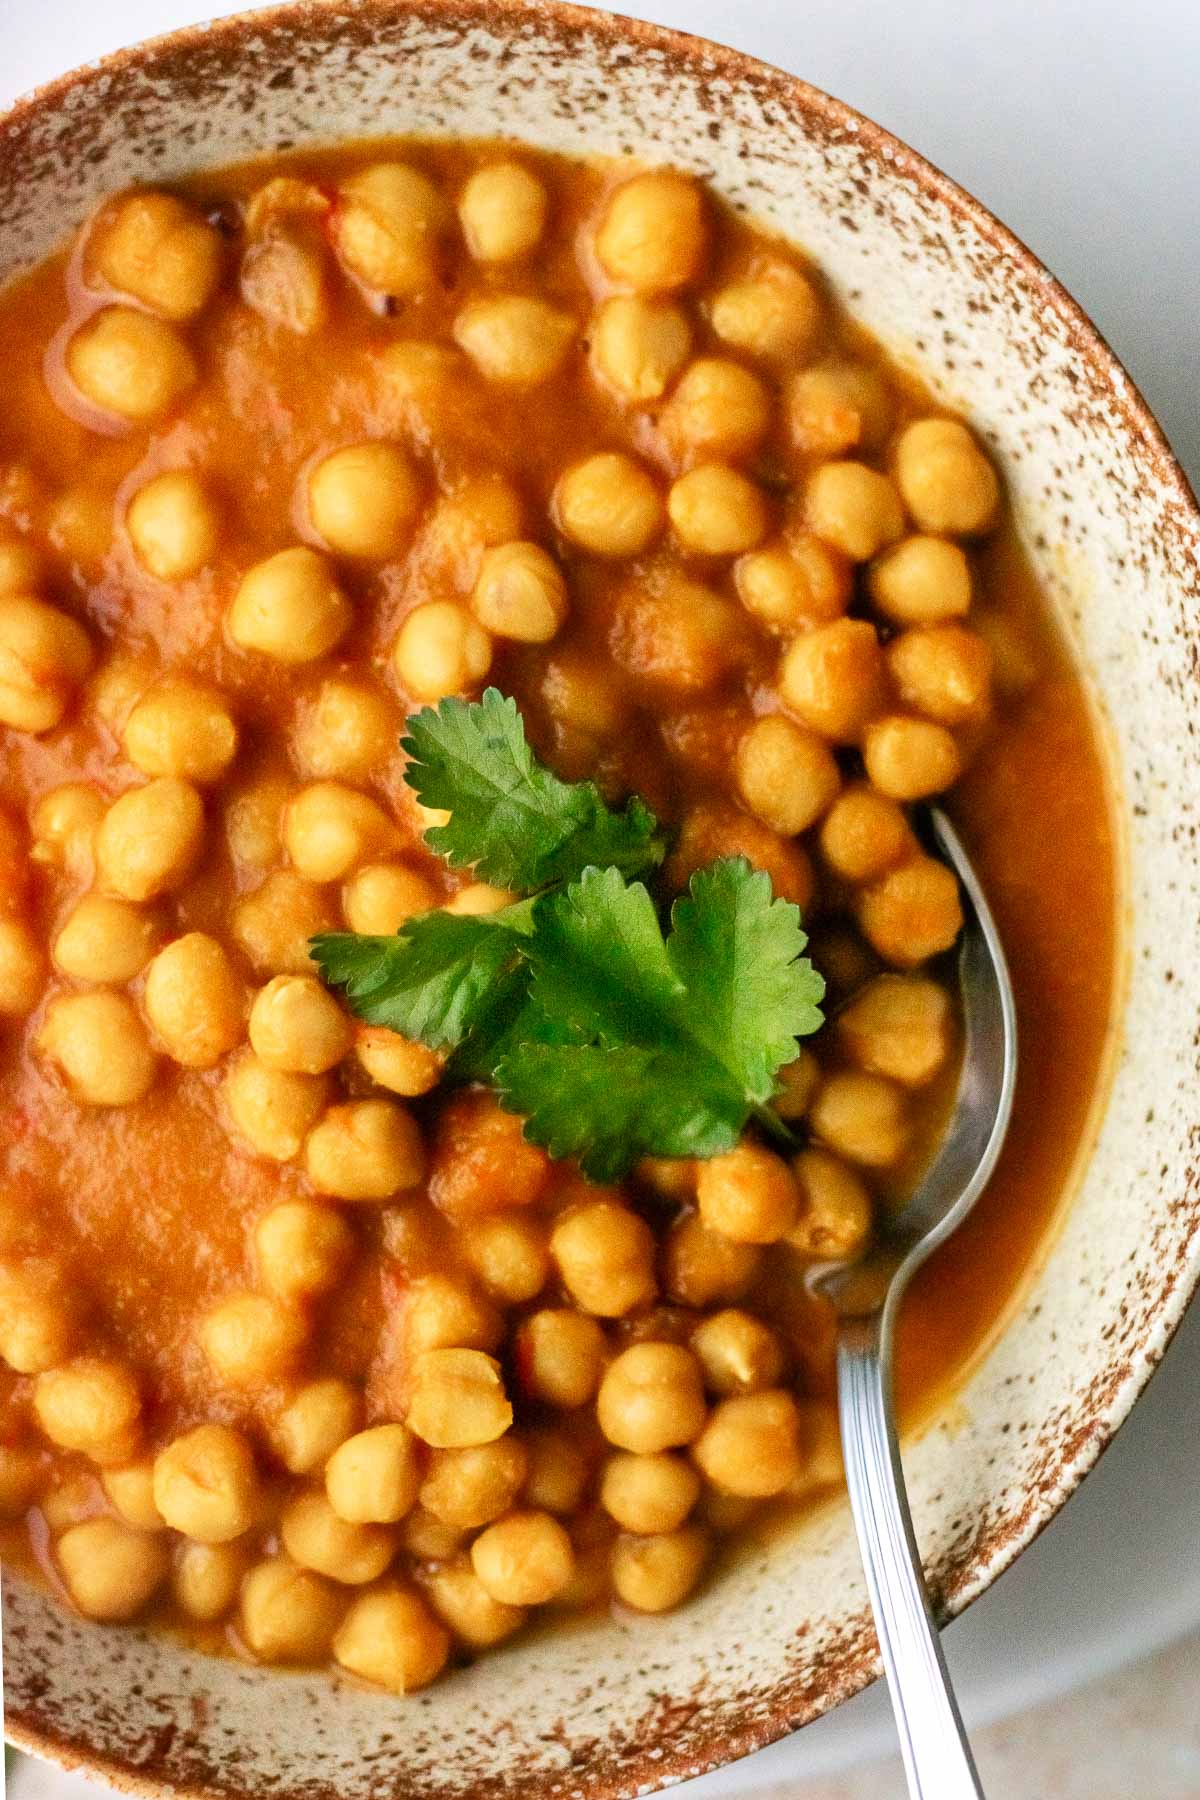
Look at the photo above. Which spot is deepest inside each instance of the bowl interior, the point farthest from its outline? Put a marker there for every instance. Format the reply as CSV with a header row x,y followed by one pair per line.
x,y
1114,536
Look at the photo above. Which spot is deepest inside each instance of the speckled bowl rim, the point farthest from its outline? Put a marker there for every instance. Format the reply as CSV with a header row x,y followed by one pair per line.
x,y
569,21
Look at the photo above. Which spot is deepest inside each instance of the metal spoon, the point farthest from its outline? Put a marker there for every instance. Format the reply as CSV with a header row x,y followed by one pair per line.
x,y
866,1294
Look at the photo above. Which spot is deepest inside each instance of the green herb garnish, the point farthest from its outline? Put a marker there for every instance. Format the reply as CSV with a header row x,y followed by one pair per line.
x,y
611,1039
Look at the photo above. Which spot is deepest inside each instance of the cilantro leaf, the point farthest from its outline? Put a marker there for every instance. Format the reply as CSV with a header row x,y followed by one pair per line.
x,y
633,1045
438,980
512,819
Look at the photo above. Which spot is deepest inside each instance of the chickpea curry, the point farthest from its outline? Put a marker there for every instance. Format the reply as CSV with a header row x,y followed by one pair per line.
x,y
306,1347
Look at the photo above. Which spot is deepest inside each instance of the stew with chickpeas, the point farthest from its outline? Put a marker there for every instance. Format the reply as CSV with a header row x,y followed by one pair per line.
x,y
307,1348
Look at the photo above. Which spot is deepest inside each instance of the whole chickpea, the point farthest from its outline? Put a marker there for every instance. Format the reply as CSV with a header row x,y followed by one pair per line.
x,y
523,1559
832,678
206,1579
206,1485
675,634
130,1491
110,1571
183,729
912,912
520,593
909,759
457,1398
302,1249
702,1267
502,211
289,607
441,650
284,278
364,501
609,504
774,313
515,339
862,1117
712,829
44,656
638,345
717,511
346,733
838,406
328,829
472,1486
374,1477
751,1444
835,1208
100,1045
195,1001
948,484
38,1316
388,228
560,1357
508,1254
173,525
921,581
253,820
274,925
464,1604
864,833
22,968
718,410
748,1194
481,1160
605,1256
397,1063
315,1537
148,840
390,1637
653,235
654,1573
317,1417
365,1150
648,1493
795,585
652,1398
297,1025
64,823
288,1614
787,776
898,1026
854,508
444,1312
943,671
157,248
252,1340
131,364
92,1405
739,1354
559,1469
381,897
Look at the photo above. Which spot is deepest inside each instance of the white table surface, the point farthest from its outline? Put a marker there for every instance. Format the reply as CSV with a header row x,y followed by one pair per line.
x,y
1078,122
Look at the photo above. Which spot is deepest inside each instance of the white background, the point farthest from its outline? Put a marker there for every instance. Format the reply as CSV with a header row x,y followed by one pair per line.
x,y
1078,123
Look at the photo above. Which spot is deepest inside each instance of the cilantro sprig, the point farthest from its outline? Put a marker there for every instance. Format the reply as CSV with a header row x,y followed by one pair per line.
x,y
613,1039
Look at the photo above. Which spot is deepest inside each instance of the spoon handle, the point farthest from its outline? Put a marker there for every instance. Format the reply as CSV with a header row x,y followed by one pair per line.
x,y
937,1756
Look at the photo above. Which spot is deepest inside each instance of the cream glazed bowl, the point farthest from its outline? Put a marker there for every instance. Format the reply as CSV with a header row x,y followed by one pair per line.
x,y
1114,534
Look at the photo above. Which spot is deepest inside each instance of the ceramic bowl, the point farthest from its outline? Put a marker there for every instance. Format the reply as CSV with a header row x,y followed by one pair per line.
x,y
612,1709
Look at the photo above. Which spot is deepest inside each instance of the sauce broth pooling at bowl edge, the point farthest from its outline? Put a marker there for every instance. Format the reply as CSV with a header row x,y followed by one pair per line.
x,y
301,1349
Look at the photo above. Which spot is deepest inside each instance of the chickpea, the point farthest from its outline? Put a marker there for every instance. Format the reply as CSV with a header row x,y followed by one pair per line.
x,y
182,729
296,1025
751,1444
739,1354
389,226
524,1559
716,511
346,733
274,924
195,1001
44,655
110,1571
509,1255
605,1256
787,776
443,1312
173,525
131,364
92,1405
775,313
482,1162
427,1539
441,650
515,339
797,1085
70,1497
22,968
838,406
747,1194
364,501
284,279
472,1486
252,1339
328,829
391,1638
254,820
21,568
64,824
560,1357
303,1249
207,1578
158,249
380,898
863,833
289,608
654,1573
130,1491
647,1494
854,508
118,684
318,1417
718,411
22,1471
558,1471
899,1026
581,698
365,1150
676,634
652,1398
948,484
464,1604
520,593
148,840
609,504
502,211
909,759
835,1208
315,1537
457,1399
832,679
37,1317
862,1117
653,235
482,513
794,587
912,912
670,1177
287,1614
638,346
374,1477
397,1063
100,1045
942,671
478,899
703,1267
921,581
